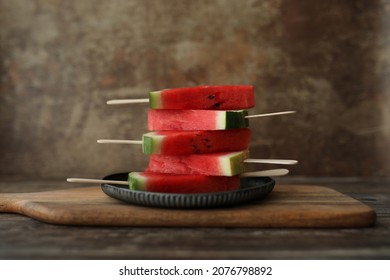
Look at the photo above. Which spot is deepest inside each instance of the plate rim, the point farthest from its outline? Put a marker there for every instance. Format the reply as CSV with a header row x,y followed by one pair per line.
x,y
106,187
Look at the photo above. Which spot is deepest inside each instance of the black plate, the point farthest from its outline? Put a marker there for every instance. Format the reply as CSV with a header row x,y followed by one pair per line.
x,y
252,188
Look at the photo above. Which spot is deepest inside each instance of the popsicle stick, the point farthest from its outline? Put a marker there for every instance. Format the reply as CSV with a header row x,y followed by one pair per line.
x,y
112,141
95,181
271,161
269,114
127,101
266,173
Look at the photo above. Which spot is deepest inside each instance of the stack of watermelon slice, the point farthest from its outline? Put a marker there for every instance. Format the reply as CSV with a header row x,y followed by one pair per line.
x,y
199,139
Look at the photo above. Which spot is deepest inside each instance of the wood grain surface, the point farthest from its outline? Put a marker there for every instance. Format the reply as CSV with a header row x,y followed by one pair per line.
x,y
288,206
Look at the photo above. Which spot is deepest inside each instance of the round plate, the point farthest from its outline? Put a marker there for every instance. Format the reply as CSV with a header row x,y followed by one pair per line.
x,y
252,188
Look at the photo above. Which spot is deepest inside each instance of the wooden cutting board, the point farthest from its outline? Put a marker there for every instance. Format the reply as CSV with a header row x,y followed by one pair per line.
x,y
288,206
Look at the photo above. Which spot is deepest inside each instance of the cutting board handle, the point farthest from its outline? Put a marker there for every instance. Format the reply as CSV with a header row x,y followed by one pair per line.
x,y
11,202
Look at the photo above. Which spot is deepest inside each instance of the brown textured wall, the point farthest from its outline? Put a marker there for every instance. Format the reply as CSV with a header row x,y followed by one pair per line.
x,y
61,60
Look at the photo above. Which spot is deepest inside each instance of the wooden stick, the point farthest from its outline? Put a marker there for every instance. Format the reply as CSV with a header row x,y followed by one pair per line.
x,y
112,141
270,114
96,181
127,101
271,161
266,173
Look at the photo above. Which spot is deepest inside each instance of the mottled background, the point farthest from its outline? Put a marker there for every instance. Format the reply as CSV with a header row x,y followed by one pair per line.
x,y
61,61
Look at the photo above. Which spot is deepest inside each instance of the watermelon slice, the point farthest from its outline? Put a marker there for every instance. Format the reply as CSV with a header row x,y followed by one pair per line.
x,y
195,142
230,97
217,164
196,119
172,183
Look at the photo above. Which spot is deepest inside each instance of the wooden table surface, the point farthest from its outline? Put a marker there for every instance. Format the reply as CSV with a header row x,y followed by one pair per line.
x,y
25,238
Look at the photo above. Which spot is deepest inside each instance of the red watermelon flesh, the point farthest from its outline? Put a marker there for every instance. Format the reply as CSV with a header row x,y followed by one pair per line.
x,y
184,184
195,142
216,164
196,119
222,97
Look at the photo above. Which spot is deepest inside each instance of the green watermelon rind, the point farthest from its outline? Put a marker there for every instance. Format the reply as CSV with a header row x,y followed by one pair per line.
x,y
151,143
233,163
155,101
136,182
232,119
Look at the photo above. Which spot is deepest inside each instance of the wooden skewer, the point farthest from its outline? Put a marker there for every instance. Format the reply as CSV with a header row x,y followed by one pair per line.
x,y
95,181
111,141
127,101
263,173
271,161
269,114
266,173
